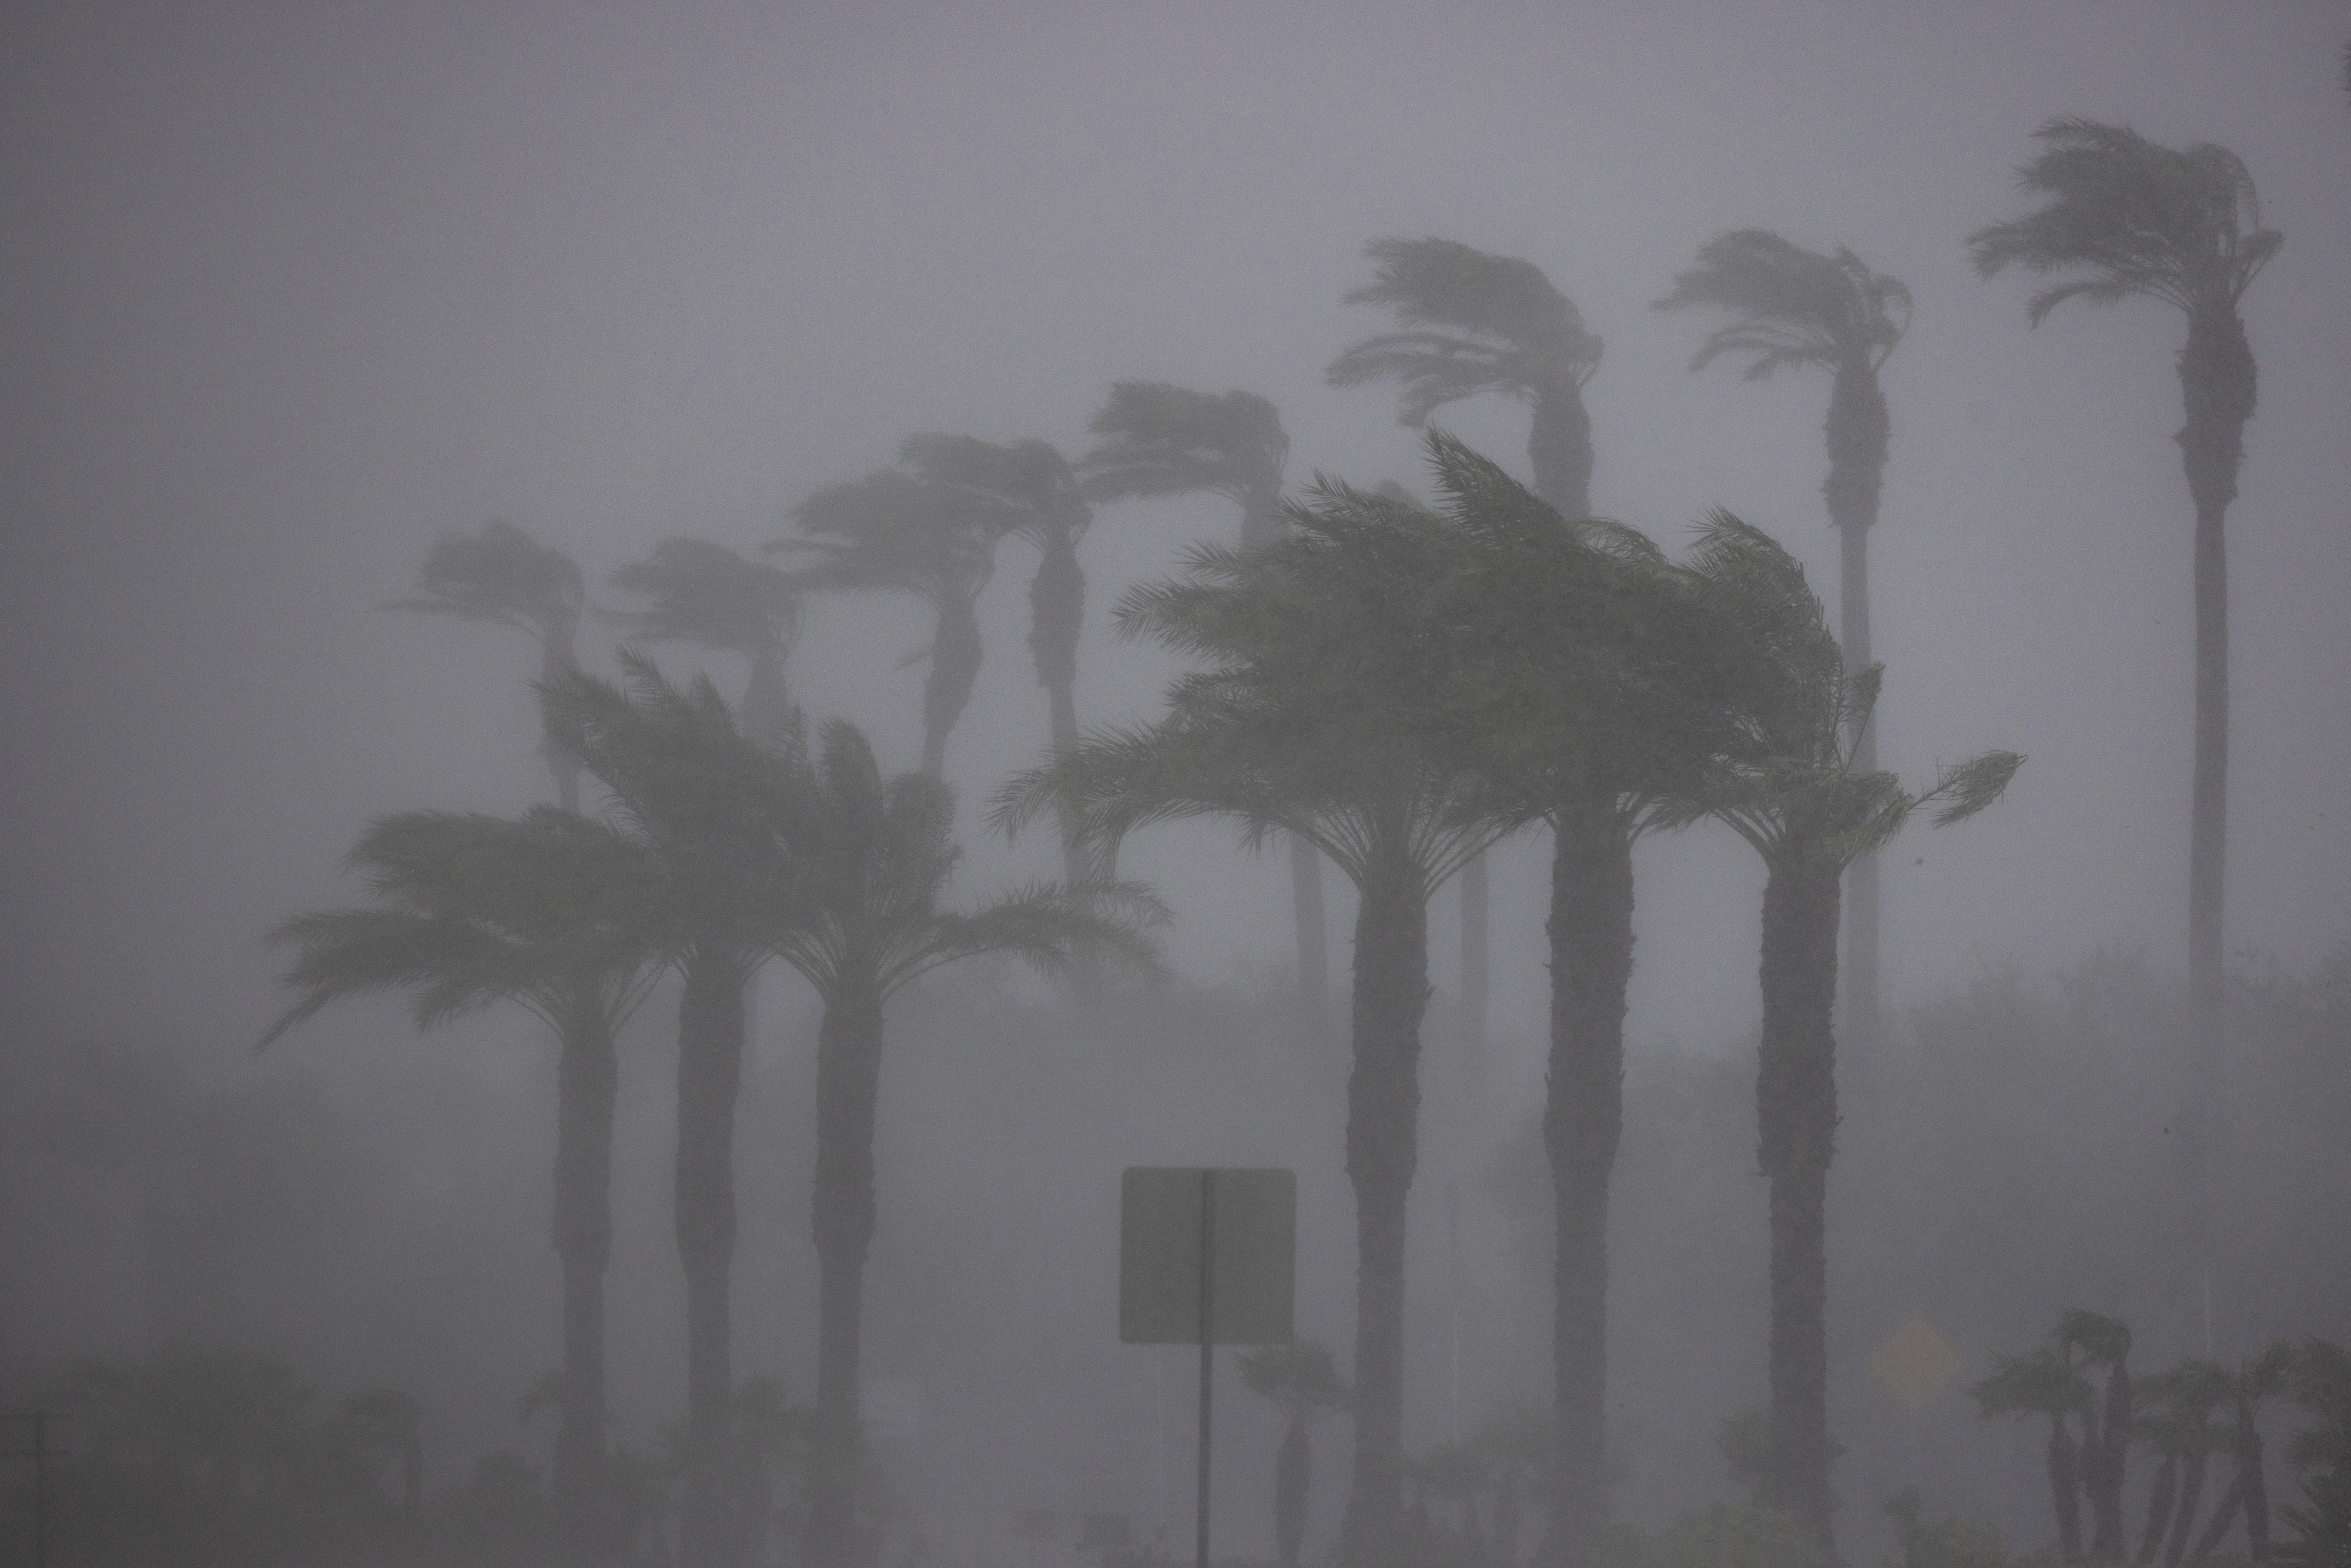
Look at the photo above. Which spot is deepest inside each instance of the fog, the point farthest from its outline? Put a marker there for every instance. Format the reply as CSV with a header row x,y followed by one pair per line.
x,y
291,292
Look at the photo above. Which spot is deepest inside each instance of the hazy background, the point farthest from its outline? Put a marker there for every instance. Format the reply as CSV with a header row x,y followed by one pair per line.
x,y
287,289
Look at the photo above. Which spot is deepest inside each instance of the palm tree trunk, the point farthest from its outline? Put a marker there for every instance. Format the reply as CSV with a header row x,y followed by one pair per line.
x,y
587,1076
1591,933
1291,1470
709,1075
2160,1501
766,709
2218,386
1314,942
1859,436
848,1089
2107,1542
1057,608
1559,449
2252,1486
555,662
1391,994
2065,1489
1796,1115
954,666
2192,1494
2222,1517
1477,904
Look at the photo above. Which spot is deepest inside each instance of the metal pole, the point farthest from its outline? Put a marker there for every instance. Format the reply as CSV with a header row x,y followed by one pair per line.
x,y
40,1490
1208,1348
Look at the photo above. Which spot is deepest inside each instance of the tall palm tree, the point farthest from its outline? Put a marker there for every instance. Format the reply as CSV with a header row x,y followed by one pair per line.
x,y
1601,712
501,574
1331,711
565,917
1479,323
1299,1380
1791,789
2046,1381
908,529
1793,308
1037,499
1163,440
2126,217
877,856
718,811
708,595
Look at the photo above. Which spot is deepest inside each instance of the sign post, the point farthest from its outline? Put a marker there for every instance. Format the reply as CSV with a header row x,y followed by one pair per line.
x,y
1206,1257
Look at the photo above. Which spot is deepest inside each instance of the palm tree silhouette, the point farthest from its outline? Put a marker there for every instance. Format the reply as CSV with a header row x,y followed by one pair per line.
x,y
2126,218
2047,1382
1332,712
1299,1380
1162,440
717,811
876,856
910,530
1790,787
501,574
2254,1381
1479,323
556,913
710,597
2176,1421
1793,308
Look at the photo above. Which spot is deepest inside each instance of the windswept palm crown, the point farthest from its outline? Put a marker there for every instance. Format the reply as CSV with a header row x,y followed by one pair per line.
x,y
1162,440
709,596
1791,307
502,575
2126,216
552,911
1481,323
906,529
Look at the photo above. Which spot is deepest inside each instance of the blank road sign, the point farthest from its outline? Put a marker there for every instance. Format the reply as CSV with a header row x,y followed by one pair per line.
x,y
1253,1229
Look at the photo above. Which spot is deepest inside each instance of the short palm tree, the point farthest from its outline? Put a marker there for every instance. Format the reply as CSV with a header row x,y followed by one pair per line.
x,y
2046,1381
1163,440
1331,711
876,856
2104,1344
905,530
2126,217
717,811
564,916
501,574
709,596
1299,1380
1789,786
1793,309
1477,323
2252,1383
2177,1423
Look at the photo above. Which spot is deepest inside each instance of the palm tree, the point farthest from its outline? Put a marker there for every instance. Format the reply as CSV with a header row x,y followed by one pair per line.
x,y
905,530
2178,1425
501,574
1601,711
1791,789
707,595
2256,1380
2126,217
1163,440
1299,1380
1331,711
1479,323
718,812
1037,497
2109,1426
562,915
877,856
2046,1381
1793,308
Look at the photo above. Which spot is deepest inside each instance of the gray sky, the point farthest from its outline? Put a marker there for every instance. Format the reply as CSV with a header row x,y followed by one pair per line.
x,y
289,289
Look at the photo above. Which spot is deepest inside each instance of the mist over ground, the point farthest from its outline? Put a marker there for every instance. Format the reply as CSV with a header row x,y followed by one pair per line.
x,y
290,291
